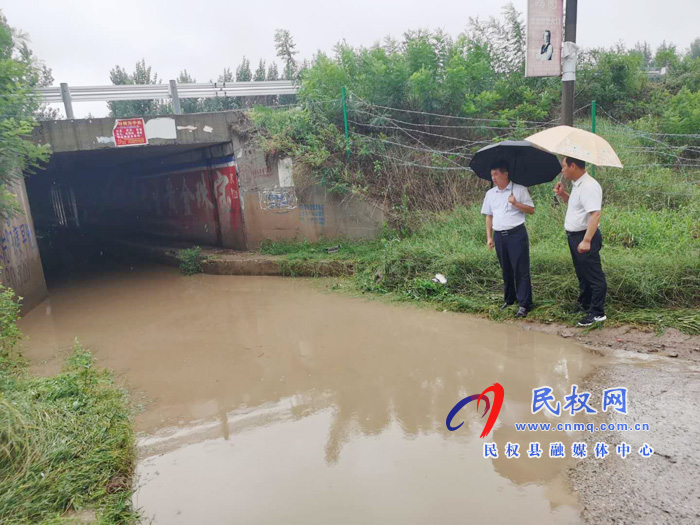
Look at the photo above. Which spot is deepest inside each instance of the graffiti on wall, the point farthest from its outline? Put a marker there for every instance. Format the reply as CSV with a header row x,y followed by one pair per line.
x,y
314,213
278,200
203,200
193,204
17,246
229,205
223,190
261,172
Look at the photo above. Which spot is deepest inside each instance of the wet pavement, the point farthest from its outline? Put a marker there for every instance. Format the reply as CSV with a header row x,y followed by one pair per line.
x,y
270,400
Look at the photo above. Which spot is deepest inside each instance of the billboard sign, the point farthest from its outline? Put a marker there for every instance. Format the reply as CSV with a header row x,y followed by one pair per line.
x,y
544,38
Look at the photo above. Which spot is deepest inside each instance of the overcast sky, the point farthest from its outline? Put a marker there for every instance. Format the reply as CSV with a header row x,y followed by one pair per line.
x,y
81,40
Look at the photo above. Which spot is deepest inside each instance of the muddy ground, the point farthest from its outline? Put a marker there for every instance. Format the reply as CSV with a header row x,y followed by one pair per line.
x,y
664,488
671,343
663,378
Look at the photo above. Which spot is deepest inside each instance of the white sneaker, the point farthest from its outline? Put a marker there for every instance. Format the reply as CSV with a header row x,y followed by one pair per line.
x,y
589,319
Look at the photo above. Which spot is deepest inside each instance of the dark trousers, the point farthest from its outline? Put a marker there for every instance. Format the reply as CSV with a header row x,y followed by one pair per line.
x,y
513,250
591,279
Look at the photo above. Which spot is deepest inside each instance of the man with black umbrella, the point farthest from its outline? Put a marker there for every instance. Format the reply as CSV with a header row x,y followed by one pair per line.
x,y
505,206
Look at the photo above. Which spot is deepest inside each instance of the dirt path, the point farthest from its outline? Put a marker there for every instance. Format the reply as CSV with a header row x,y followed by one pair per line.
x,y
671,343
664,488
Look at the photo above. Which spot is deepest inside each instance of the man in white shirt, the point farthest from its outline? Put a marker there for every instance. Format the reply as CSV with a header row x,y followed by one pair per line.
x,y
585,240
505,206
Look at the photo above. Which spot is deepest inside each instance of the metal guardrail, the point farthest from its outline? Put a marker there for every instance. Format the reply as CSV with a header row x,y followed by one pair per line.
x,y
172,90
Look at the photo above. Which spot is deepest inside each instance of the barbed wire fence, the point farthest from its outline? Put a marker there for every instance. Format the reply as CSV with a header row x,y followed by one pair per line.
x,y
441,143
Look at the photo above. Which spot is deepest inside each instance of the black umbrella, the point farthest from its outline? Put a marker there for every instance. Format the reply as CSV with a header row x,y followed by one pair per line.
x,y
527,165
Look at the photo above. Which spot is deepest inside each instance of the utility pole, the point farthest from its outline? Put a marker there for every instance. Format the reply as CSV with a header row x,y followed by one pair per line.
x,y
568,86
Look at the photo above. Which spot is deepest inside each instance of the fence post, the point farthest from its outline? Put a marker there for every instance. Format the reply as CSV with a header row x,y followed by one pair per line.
x,y
345,119
67,103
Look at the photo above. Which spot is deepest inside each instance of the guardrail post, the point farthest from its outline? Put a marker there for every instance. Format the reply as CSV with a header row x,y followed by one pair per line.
x,y
65,95
175,97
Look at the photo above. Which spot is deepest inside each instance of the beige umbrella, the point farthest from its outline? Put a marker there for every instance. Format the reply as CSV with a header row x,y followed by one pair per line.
x,y
576,143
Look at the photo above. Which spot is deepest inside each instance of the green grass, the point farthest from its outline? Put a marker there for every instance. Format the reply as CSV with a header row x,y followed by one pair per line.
x,y
651,247
191,260
66,442
651,260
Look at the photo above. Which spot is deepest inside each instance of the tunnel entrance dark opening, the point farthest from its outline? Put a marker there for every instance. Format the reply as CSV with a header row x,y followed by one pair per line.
x,y
85,202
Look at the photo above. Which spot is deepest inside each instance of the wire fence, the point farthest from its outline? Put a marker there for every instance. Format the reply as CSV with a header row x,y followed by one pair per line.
x,y
442,143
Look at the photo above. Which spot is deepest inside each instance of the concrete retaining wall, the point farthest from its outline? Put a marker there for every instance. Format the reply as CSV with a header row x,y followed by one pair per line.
x,y
19,254
273,207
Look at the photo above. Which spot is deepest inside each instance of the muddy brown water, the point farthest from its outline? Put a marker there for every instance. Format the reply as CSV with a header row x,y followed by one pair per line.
x,y
269,400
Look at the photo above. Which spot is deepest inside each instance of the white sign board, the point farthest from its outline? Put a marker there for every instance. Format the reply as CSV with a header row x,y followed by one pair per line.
x,y
544,38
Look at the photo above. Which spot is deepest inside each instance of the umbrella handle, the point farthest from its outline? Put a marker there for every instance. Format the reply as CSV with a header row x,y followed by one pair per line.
x,y
512,185
561,179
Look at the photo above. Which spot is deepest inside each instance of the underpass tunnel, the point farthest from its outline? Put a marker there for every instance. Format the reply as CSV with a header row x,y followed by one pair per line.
x,y
85,202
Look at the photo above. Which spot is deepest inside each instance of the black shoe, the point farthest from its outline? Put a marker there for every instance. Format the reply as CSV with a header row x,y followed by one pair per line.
x,y
505,305
522,312
590,319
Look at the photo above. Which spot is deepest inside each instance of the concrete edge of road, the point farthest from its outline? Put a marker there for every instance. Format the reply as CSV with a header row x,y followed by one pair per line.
x,y
229,262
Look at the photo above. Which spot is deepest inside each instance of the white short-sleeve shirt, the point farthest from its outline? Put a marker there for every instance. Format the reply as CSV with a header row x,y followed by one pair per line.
x,y
505,215
586,197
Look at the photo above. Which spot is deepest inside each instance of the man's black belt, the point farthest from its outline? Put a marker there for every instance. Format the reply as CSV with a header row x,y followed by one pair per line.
x,y
517,229
575,233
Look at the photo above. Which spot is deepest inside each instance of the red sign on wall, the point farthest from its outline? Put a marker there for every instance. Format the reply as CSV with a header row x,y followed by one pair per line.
x,y
129,132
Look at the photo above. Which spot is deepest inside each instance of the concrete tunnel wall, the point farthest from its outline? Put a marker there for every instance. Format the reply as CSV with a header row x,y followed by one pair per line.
x,y
197,203
198,180
221,191
20,262
180,186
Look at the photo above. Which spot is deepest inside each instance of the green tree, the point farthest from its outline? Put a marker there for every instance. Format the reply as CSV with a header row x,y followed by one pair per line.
x,y
666,56
222,103
42,77
272,73
682,114
505,39
694,50
131,108
19,75
616,80
243,73
260,73
286,49
189,105
644,50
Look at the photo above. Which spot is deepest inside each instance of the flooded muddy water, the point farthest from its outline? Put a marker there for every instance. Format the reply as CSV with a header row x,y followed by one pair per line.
x,y
268,400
